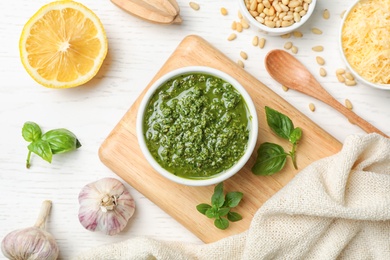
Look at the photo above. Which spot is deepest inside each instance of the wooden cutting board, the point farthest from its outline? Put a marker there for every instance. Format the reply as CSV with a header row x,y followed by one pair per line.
x,y
121,153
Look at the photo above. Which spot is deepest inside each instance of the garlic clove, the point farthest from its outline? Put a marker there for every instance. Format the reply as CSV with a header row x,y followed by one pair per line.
x,y
33,242
105,205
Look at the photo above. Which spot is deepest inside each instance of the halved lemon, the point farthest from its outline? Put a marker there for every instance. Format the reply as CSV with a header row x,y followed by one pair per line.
x,y
63,45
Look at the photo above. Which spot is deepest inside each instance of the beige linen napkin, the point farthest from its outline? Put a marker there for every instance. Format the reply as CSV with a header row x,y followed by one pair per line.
x,y
336,208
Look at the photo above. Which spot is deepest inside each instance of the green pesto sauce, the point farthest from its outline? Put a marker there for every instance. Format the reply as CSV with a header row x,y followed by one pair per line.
x,y
196,126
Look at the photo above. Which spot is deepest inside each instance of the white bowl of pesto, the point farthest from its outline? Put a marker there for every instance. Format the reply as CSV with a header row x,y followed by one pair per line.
x,y
197,126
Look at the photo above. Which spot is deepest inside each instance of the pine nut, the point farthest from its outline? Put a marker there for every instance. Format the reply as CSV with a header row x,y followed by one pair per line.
x,y
326,14
312,107
348,104
350,83
262,43
285,89
286,36
244,55
224,11
349,76
297,34
294,49
322,72
318,48
255,41
320,60
340,71
232,37
194,6
238,27
240,63
244,24
316,31
288,45
340,78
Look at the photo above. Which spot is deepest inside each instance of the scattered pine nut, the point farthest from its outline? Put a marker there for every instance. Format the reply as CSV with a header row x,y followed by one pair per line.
x,y
294,49
234,25
288,45
232,37
312,107
340,78
326,14
340,71
342,14
297,34
244,55
320,60
348,104
239,15
322,72
238,27
194,6
349,76
244,24
285,89
318,48
261,43
350,83
240,63
316,31
286,36
224,11
255,41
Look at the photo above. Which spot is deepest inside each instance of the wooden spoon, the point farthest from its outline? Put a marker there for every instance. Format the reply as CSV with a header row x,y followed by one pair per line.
x,y
288,71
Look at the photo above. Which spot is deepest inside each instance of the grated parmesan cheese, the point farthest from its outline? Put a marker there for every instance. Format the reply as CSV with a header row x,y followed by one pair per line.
x,y
366,40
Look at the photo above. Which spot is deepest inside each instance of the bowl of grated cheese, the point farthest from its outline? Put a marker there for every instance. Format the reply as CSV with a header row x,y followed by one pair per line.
x,y
365,42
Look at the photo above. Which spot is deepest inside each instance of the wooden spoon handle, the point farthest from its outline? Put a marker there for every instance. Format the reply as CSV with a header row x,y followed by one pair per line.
x,y
354,118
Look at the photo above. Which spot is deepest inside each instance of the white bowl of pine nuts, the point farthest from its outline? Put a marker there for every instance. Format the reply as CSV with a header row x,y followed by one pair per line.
x,y
277,17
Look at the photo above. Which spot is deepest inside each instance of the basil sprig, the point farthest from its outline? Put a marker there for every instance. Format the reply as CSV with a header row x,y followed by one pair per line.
x,y
221,206
46,145
271,158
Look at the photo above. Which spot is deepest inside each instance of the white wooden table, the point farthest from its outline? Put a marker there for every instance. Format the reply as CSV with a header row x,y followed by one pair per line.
x,y
137,50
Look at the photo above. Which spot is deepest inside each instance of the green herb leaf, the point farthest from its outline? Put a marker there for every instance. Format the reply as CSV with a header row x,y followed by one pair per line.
x,y
42,149
221,223
233,198
218,198
202,208
295,135
279,123
61,140
212,212
223,212
234,216
271,158
31,132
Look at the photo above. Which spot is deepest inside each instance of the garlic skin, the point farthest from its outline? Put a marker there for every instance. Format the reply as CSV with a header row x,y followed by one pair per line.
x,y
33,242
105,205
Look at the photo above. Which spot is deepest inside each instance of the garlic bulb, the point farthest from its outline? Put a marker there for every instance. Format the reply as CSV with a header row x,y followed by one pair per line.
x,y
33,242
105,205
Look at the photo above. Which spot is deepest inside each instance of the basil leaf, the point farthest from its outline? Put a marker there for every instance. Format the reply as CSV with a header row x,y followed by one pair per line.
x,y
202,208
270,159
42,149
279,123
211,212
234,216
295,135
223,211
221,223
31,131
233,198
218,198
61,140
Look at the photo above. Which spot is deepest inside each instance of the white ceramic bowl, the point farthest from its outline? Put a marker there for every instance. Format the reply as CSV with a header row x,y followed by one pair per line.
x,y
350,68
275,31
218,177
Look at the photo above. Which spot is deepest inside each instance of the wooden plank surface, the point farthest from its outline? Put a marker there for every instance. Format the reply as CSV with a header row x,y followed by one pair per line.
x,y
121,153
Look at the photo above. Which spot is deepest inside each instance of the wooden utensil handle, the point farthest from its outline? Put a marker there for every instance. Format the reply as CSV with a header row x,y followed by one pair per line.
x,y
357,120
